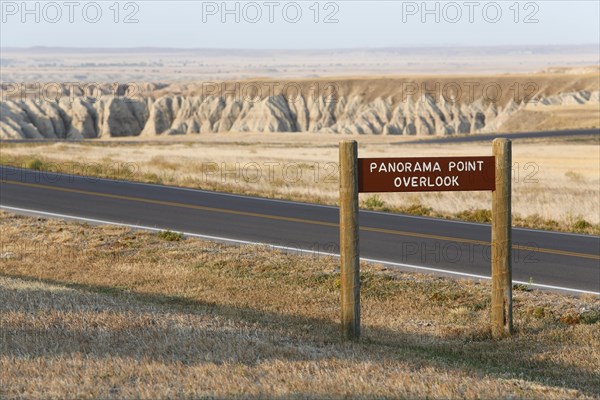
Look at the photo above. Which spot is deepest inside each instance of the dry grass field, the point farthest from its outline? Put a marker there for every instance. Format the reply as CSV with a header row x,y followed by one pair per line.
x,y
548,118
555,182
107,312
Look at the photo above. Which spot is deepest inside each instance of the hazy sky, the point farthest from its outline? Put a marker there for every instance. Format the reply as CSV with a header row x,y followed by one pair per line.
x,y
288,24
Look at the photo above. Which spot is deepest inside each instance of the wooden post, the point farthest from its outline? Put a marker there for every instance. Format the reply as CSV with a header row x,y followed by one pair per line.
x,y
349,257
502,324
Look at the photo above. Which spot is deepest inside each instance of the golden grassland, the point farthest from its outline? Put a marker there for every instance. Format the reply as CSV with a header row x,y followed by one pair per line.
x,y
548,118
101,311
555,182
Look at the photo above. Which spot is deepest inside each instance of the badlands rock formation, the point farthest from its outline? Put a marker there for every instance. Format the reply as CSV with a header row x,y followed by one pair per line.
x,y
169,114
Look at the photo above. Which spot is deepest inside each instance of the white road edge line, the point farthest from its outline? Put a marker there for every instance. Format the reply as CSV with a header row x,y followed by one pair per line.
x,y
302,251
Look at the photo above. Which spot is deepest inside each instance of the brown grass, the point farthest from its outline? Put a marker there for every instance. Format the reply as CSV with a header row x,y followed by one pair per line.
x,y
548,118
107,312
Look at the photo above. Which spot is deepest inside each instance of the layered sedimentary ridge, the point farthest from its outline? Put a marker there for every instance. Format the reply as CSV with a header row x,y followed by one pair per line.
x,y
184,111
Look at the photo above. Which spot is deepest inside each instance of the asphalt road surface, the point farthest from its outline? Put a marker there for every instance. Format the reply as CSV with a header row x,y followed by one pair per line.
x,y
487,137
553,260
462,138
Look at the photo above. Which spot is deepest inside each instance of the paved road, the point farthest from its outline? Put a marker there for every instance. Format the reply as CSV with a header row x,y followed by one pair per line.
x,y
476,137
486,137
550,259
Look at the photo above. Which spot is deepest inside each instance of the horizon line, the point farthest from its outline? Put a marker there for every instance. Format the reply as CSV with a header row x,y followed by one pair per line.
x,y
403,47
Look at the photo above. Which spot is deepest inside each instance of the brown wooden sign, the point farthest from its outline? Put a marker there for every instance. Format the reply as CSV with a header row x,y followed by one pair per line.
x,y
426,174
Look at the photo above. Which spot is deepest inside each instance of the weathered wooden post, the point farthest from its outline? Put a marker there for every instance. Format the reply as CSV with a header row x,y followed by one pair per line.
x,y
349,256
501,315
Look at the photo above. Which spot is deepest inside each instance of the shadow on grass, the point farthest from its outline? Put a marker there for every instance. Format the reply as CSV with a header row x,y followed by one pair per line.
x,y
263,335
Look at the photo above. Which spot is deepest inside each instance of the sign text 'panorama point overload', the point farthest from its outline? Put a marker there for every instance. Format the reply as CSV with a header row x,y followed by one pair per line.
x,y
426,174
